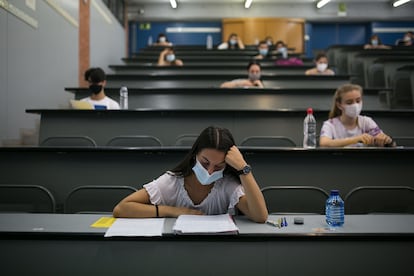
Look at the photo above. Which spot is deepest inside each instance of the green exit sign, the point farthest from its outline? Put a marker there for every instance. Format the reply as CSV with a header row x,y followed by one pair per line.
x,y
145,26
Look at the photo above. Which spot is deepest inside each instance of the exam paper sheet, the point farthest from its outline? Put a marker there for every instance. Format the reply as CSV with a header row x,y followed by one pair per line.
x,y
136,227
194,224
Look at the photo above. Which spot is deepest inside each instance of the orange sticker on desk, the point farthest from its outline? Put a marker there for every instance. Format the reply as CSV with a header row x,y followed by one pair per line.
x,y
104,222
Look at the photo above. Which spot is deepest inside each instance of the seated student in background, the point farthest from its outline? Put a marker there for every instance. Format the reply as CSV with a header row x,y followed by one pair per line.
x,y
375,43
167,58
96,78
346,127
162,40
263,49
281,47
321,62
212,179
269,41
407,40
253,80
234,42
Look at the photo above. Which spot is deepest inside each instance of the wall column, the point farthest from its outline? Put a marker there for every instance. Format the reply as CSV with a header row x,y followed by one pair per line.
x,y
84,26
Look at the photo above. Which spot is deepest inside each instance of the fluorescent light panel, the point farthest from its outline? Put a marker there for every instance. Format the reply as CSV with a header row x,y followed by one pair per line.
x,y
322,3
173,4
399,3
248,3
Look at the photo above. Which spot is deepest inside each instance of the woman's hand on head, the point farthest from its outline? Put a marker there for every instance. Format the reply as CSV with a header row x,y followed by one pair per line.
x,y
235,159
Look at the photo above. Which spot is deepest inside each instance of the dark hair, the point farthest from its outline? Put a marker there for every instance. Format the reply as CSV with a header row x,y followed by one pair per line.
x,y
95,75
253,62
320,55
210,138
235,46
162,35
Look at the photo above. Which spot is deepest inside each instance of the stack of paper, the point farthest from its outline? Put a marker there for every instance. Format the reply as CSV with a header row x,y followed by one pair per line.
x,y
193,224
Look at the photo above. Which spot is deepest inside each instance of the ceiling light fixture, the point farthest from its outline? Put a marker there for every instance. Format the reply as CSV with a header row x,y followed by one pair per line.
x,y
173,4
248,3
399,3
322,3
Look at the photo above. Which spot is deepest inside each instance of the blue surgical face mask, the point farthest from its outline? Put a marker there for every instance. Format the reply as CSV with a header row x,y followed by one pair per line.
x,y
374,42
263,52
233,41
170,57
203,176
283,51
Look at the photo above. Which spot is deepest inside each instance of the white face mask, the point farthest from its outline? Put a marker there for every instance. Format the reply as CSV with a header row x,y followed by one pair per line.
x,y
353,110
321,67
170,57
203,176
162,39
254,76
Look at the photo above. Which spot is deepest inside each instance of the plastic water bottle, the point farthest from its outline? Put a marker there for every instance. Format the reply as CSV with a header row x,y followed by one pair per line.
x,y
149,42
209,42
123,97
309,130
334,209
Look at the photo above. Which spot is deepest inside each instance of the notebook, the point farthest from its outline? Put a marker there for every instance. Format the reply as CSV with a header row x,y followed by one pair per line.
x,y
81,104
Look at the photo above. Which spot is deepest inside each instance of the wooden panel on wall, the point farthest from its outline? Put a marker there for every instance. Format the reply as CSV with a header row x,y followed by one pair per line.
x,y
233,26
252,30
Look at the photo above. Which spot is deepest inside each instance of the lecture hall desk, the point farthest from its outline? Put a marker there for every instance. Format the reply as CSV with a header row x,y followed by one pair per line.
x,y
58,244
168,123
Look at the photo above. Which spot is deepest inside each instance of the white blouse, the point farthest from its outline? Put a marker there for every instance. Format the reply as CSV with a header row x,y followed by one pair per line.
x,y
168,189
334,129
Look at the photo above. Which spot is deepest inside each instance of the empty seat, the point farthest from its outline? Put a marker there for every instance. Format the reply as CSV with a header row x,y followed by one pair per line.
x,y
26,199
96,198
135,141
268,141
295,199
186,139
68,141
380,199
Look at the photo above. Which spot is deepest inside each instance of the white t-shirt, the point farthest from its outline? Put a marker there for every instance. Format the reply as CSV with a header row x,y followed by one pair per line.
x,y
334,129
169,190
108,102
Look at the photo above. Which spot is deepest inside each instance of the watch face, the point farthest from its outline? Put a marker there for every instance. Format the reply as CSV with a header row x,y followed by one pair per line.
x,y
247,169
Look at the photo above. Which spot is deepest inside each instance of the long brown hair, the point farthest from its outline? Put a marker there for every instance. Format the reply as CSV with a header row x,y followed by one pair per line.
x,y
337,98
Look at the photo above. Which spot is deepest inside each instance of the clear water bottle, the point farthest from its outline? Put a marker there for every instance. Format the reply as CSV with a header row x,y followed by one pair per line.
x,y
209,42
123,97
334,209
309,130
149,42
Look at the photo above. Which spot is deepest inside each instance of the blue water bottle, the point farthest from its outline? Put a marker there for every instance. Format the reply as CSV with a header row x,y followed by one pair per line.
x,y
334,209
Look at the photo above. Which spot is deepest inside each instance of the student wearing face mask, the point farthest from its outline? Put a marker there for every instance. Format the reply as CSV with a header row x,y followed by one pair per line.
x,y
212,179
375,43
346,127
96,78
162,40
253,80
263,49
234,42
167,58
321,68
